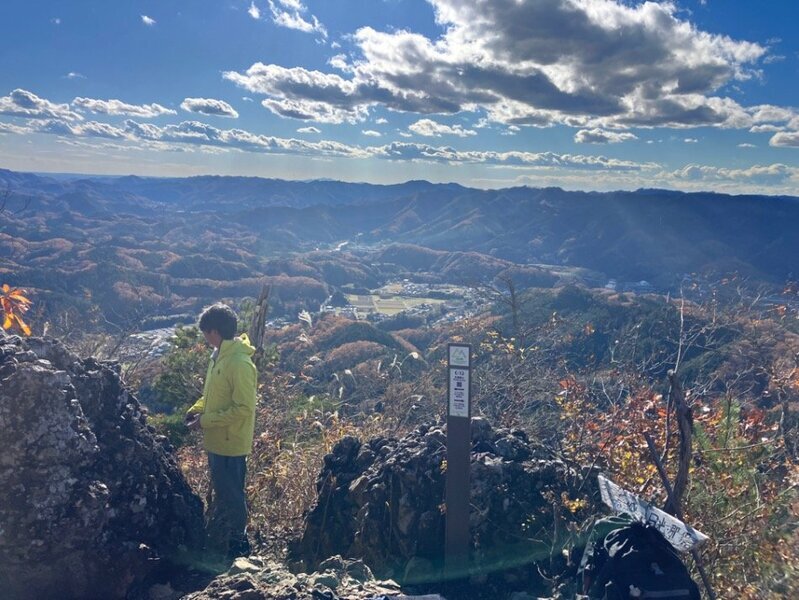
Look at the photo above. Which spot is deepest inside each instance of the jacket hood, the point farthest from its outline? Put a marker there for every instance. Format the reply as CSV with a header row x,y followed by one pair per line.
x,y
238,345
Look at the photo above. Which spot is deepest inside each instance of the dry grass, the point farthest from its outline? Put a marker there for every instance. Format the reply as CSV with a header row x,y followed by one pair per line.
x,y
288,451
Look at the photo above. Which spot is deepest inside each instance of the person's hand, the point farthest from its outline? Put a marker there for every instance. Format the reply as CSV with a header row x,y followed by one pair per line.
x,y
192,421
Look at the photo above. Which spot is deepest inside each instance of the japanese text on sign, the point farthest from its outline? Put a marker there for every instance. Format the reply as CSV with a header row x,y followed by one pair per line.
x,y
459,392
683,537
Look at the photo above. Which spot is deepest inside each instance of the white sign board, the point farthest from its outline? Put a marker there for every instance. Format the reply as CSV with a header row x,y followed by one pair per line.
x,y
458,356
459,392
683,537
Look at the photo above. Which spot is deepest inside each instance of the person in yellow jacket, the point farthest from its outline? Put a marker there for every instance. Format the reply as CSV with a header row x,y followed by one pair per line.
x,y
226,414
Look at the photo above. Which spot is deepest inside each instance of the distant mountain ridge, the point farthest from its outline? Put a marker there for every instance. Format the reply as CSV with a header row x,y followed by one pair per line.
x,y
657,235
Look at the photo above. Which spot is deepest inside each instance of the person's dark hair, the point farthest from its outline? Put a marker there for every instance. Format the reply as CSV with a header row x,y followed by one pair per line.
x,y
220,317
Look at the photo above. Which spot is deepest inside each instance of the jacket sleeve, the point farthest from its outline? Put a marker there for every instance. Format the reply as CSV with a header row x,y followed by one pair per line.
x,y
244,379
197,407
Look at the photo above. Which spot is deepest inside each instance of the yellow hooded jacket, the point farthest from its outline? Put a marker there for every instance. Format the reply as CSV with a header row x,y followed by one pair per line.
x,y
227,405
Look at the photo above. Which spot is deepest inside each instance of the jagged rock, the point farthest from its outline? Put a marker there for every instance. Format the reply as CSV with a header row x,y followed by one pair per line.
x,y
259,579
384,500
90,499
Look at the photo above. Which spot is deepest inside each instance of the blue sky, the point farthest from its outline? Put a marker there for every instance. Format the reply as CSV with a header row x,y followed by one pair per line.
x,y
582,94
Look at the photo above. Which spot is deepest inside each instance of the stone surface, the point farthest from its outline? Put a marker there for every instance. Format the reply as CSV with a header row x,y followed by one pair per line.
x,y
384,501
91,500
336,579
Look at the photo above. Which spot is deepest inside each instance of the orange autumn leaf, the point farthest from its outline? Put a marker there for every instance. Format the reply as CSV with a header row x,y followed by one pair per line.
x,y
13,304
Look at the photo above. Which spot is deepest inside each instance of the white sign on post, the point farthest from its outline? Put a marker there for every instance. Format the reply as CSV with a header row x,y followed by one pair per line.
x,y
683,537
459,392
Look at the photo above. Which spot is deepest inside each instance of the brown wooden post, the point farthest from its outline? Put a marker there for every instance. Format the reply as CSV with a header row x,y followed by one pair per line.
x,y
459,445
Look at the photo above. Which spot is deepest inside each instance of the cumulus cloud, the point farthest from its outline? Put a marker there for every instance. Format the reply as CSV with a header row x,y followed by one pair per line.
x,y
746,145
119,108
209,106
371,133
74,75
768,113
785,139
290,14
691,141
587,64
22,103
601,136
149,21
381,121
430,128
308,130
303,94
766,129
254,11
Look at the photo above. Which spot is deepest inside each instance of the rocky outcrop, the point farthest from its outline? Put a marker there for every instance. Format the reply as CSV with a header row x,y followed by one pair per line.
x,y
384,501
256,578
91,500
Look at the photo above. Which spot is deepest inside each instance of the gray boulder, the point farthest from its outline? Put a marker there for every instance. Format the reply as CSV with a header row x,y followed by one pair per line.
x,y
384,501
91,500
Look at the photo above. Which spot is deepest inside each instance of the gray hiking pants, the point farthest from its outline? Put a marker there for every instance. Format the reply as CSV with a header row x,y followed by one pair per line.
x,y
227,511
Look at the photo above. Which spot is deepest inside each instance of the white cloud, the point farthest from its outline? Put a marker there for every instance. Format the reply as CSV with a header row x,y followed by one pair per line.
x,y
56,20
254,11
381,121
371,133
309,110
117,107
785,139
15,129
602,136
22,103
746,145
308,130
289,14
587,64
149,21
757,174
74,75
430,128
201,135
691,141
193,134
767,113
209,106
339,61
512,159
766,129
302,94
247,99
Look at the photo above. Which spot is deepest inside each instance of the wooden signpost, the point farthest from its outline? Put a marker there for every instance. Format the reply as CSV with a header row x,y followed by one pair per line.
x,y
683,537
459,444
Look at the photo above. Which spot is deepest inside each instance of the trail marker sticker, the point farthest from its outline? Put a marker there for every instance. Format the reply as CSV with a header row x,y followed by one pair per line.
x,y
459,355
683,537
